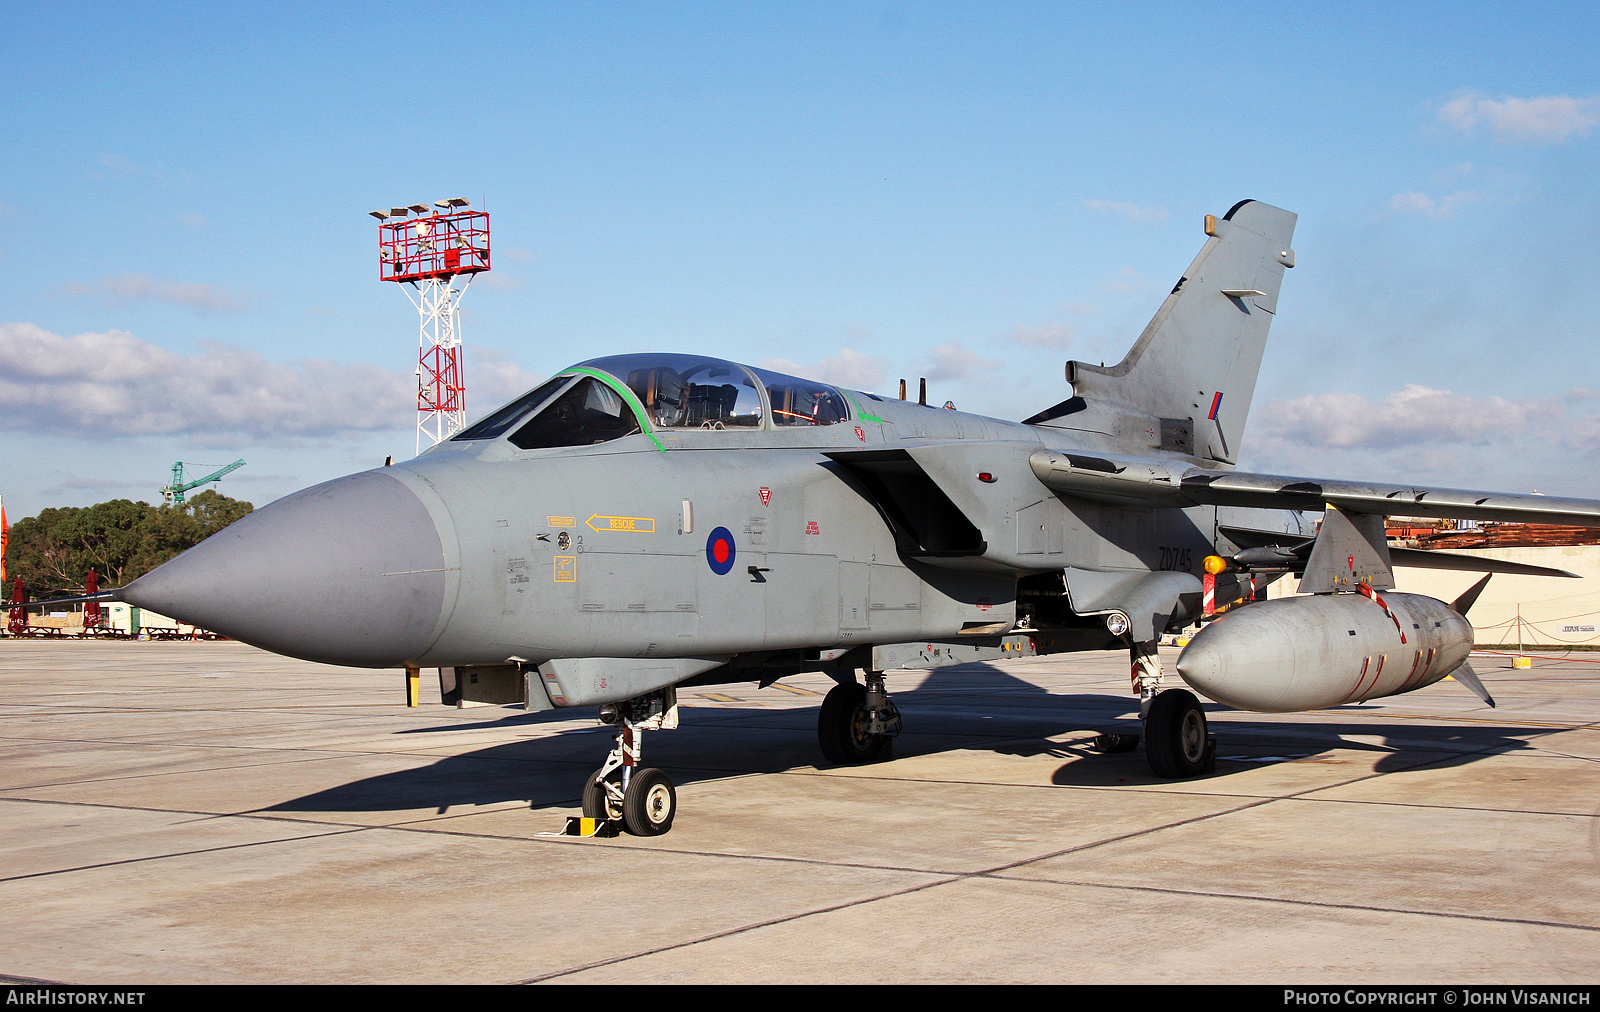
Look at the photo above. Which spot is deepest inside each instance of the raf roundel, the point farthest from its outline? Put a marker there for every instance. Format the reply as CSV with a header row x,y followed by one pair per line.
x,y
720,551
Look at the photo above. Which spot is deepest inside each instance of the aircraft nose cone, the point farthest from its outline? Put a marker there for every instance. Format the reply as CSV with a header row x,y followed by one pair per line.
x,y
346,572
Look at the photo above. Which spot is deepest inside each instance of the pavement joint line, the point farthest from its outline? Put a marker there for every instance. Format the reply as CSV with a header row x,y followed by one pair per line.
x,y
1154,788
989,873
419,826
190,772
336,830
1445,808
573,841
264,814
171,773
945,879
332,753
1586,726
415,827
734,774
64,708
343,752
1563,755
730,932
1324,904
169,744
1292,796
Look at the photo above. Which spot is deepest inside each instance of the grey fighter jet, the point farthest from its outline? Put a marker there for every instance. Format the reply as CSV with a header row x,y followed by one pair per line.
x,y
644,522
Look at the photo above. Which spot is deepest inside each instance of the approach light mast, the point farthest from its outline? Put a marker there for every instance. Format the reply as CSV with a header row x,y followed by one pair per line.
x,y
431,249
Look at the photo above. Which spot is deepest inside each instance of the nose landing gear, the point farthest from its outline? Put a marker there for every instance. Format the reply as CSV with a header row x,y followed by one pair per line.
x,y
620,793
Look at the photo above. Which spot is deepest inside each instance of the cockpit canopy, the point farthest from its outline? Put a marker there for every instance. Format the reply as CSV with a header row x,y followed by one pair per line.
x,y
608,398
687,391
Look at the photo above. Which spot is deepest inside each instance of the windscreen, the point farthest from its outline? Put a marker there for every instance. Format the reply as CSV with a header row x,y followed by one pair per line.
x,y
589,412
500,420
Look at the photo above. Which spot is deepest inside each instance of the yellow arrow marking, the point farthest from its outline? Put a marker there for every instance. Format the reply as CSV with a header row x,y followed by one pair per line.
x,y
631,525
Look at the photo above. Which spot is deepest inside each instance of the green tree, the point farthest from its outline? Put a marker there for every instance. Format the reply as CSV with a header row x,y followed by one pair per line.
x,y
120,540
213,511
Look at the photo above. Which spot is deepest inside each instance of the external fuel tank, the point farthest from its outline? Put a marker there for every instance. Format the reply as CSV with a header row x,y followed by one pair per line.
x,y
1307,653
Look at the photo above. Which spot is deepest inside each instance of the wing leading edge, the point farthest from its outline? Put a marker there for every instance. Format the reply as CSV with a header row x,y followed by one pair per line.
x,y
1161,482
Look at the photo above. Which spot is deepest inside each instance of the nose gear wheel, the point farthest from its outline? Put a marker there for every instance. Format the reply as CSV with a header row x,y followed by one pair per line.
x,y
601,798
649,803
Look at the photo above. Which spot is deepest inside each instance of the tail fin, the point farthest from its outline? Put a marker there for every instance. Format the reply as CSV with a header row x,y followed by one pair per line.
x,y
1186,384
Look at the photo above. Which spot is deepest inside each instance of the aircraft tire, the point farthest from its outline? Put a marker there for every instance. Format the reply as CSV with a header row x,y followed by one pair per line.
x,y
841,727
649,804
595,801
1175,738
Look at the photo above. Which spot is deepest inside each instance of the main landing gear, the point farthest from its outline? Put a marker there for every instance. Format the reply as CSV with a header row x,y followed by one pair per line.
x,y
857,723
642,801
1177,741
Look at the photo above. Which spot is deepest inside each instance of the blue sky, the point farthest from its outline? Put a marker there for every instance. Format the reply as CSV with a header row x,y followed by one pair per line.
x,y
972,193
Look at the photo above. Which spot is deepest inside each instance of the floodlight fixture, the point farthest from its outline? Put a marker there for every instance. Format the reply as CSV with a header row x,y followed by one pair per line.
x,y
436,251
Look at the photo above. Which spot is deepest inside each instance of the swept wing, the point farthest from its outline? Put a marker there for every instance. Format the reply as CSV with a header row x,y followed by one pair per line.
x,y
1165,482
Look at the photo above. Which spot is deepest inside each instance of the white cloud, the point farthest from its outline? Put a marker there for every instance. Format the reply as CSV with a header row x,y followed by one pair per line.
x,y
493,379
1431,437
1127,279
112,166
1547,119
955,361
121,165
848,368
114,384
1415,415
500,281
126,288
1421,203
1047,335
1133,212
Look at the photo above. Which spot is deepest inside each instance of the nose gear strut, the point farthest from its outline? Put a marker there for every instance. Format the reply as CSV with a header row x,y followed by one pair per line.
x,y
620,794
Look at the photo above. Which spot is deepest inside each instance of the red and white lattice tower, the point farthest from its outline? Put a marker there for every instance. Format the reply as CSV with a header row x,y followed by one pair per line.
x,y
436,251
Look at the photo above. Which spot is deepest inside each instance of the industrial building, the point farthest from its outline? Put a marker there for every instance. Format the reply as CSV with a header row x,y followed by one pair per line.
x,y
1535,612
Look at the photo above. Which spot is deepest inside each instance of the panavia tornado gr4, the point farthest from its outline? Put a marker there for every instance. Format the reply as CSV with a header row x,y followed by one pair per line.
x,y
644,522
